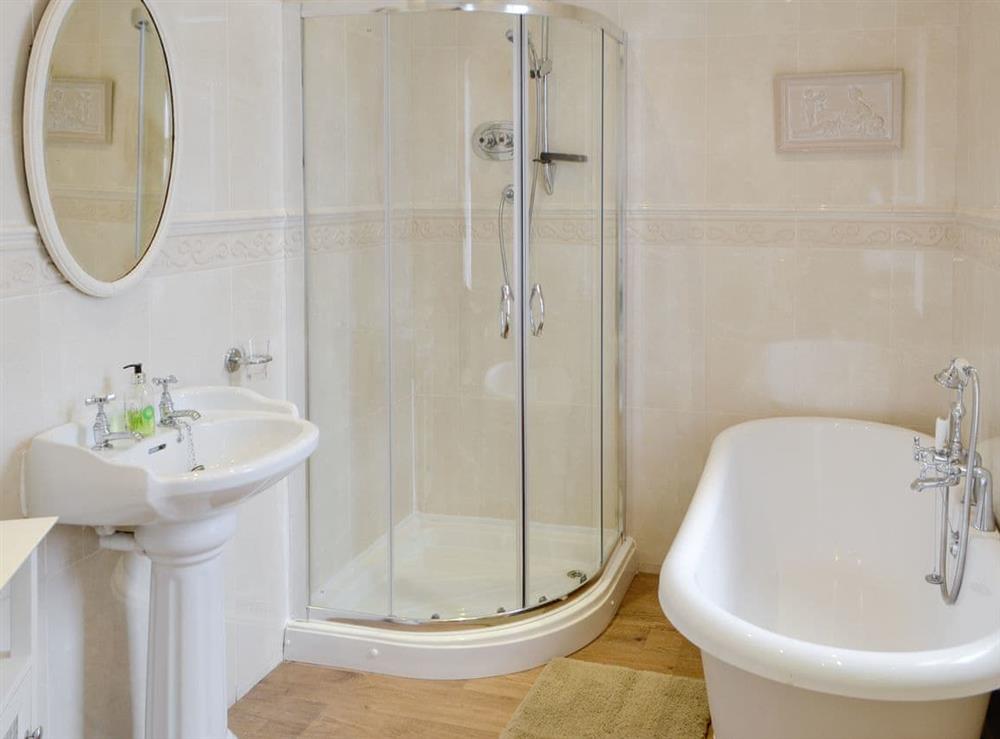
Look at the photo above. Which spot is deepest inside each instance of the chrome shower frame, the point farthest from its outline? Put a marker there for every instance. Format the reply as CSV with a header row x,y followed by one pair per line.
x,y
315,8
518,313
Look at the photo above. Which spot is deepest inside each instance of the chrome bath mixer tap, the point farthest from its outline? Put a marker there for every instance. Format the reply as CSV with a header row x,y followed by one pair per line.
x,y
946,465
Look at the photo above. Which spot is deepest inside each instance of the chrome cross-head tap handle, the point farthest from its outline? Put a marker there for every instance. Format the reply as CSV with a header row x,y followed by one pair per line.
x,y
166,401
99,401
101,421
168,414
103,436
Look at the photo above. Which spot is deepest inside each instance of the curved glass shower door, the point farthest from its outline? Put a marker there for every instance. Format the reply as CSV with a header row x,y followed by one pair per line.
x,y
415,492
562,350
463,309
456,517
346,240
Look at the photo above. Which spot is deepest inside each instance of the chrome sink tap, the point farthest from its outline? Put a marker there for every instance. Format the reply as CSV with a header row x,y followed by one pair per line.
x,y
103,435
168,414
949,463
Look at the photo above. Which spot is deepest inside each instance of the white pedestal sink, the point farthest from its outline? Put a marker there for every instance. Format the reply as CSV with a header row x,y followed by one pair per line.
x,y
181,520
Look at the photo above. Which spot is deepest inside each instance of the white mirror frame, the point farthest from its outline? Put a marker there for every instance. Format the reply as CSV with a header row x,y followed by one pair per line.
x,y
34,157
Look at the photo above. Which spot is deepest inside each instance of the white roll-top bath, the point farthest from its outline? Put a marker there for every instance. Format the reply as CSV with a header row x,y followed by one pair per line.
x,y
800,571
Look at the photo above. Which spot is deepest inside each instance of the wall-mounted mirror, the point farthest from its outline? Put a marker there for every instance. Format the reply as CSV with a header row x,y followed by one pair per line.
x,y
100,139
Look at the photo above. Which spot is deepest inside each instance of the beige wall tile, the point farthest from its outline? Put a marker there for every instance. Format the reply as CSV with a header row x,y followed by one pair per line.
x,y
926,165
749,292
667,346
829,15
667,141
752,17
673,19
916,398
843,295
878,13
749,377
921,309
743,167
325,113
666,454
836,377
926,13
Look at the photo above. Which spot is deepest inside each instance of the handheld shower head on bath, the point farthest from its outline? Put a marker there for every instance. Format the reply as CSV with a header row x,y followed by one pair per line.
x,y
956,375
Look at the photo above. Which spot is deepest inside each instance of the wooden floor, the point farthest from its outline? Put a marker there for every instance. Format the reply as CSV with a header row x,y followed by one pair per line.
x,y
298,700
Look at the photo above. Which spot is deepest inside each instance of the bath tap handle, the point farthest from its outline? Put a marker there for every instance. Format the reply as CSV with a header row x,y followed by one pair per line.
x,y
922,454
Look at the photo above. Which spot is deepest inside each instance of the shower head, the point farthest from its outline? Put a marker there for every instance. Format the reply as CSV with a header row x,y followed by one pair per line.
x,y
140,19
532,54
956,375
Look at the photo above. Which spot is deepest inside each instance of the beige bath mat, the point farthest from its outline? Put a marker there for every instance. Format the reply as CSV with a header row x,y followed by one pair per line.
x,y
573,699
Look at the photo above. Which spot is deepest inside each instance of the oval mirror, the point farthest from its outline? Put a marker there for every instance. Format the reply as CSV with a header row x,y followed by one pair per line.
x,y
99,139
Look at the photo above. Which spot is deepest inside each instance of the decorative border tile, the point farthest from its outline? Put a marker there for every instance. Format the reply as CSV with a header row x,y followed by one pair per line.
x,y
980,240
644,229
25,266
803,229
20,272
212,251
844,234
940,235
213,242
742,232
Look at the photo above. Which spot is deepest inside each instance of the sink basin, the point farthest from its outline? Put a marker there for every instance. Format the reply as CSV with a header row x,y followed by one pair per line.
x,y
232,399
139,483
173,497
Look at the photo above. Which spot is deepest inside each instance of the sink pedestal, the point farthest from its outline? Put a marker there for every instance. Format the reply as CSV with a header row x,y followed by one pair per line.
x,y
182,518
186,668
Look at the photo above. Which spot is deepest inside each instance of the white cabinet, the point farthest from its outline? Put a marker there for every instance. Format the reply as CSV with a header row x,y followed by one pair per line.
x,y
17,720
19,540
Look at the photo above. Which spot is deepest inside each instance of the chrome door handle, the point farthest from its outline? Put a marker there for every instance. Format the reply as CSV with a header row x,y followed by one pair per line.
x,y
539,324
506,307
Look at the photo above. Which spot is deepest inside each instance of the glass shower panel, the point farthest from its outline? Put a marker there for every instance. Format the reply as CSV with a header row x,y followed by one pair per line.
x,y
347,312
455,431
562,348
612,400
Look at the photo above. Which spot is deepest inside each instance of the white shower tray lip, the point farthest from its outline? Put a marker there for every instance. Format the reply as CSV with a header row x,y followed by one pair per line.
x,y
474,651
244,442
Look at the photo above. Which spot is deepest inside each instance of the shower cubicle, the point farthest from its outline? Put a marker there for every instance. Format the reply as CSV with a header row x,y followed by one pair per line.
x,y
464,184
